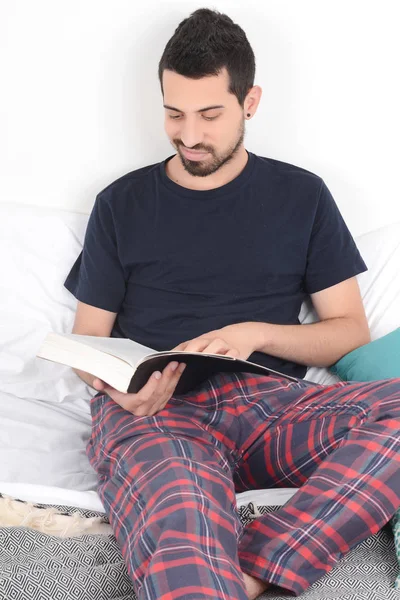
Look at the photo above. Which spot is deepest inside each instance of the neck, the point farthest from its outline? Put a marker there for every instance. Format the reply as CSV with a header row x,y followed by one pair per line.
x,y
224,175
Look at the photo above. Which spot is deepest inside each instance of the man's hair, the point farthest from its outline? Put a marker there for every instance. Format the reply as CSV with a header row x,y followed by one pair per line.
x,y
206,42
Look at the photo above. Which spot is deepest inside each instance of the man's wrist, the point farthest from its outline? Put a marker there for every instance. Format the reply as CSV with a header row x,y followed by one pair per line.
x,y
260,335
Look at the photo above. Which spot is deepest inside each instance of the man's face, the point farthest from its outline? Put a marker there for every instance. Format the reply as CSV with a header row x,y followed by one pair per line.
x,y
218,132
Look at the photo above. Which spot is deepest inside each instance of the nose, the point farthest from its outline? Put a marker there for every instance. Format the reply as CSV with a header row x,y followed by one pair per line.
x,y
191,136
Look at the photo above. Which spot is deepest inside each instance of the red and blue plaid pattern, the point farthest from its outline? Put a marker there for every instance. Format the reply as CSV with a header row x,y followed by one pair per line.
x,y
168,482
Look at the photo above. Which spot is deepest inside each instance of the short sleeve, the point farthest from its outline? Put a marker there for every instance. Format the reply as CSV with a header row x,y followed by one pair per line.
x,y
332,254
97,276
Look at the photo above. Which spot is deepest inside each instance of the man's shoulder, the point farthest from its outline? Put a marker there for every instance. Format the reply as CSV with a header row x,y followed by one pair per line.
x,y
287,170
129,180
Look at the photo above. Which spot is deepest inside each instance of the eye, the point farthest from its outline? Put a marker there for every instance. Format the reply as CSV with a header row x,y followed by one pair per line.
x,y
206,118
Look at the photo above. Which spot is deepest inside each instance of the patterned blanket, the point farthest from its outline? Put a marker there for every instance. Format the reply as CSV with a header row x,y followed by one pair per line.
x,y
37,566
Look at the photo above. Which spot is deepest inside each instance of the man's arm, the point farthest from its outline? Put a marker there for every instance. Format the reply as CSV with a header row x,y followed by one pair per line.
x,y
343,327
90,320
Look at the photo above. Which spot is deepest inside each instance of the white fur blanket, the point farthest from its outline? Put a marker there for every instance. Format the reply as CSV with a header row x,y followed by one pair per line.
x,y
19,513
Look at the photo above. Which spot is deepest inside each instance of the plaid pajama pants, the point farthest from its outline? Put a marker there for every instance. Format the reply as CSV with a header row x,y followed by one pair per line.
x,y
168,481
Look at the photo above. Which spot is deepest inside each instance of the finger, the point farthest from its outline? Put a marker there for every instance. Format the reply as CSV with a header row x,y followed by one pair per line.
x,y
168,392
151,387
144,394
198,342
170,382
197,345
234,352
173,381
171,367
153,393
217,346
156,391
98,384
169,373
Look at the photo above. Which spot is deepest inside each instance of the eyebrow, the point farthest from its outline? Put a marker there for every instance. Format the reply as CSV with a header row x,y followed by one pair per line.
x,y
199,111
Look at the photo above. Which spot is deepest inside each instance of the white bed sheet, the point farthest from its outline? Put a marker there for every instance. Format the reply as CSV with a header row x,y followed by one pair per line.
x,y
44,443
90,500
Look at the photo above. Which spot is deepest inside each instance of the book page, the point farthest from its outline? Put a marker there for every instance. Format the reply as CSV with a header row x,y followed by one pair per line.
x,y
128,350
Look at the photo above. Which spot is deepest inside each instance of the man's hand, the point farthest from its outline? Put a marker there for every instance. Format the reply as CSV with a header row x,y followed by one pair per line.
x,y
238,340
152,397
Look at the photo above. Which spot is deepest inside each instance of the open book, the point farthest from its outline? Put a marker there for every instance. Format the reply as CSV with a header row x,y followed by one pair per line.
x,y
127,365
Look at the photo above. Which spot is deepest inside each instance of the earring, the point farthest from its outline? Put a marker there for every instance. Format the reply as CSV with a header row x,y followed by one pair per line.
x,y
248,114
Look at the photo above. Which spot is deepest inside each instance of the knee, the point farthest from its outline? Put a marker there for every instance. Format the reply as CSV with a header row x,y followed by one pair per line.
x,y
387,401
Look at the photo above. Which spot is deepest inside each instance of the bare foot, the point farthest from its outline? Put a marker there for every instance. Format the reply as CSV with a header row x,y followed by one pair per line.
x,y
254,587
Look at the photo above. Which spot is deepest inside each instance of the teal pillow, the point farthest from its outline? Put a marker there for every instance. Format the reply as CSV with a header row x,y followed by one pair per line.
x,y
377,360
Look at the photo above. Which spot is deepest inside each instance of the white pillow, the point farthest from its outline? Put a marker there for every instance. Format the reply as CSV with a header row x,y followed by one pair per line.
x,y
379,287
38,247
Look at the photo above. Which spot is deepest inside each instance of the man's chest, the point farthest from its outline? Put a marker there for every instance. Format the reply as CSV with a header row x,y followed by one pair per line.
x,y
218,253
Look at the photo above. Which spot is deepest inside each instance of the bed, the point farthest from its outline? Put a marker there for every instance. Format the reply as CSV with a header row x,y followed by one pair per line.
x,y
45,421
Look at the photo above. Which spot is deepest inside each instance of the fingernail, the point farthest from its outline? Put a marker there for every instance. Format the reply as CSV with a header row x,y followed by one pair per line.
x,y
157,375
182,367
173,366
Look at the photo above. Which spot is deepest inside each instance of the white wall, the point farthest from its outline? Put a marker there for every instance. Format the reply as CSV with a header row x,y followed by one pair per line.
x,y
81,103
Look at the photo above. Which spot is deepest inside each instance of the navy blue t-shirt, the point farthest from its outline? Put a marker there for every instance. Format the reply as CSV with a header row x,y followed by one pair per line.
x,y
175,263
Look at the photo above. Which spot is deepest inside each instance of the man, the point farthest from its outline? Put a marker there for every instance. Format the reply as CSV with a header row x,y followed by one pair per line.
x,y
214,250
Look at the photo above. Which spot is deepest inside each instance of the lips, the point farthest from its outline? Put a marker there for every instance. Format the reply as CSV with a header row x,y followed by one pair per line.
x,y
193,155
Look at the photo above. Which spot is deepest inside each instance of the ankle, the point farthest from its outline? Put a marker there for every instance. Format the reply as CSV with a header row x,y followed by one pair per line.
x,y
254,586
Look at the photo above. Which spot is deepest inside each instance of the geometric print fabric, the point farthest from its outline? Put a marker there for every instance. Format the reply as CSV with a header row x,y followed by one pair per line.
x,y
37,566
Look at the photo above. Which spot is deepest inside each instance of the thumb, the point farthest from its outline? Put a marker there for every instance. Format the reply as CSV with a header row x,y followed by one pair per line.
x,y
234,353
98,384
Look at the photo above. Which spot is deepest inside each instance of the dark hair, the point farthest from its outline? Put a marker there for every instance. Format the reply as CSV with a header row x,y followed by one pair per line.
x,y
206,42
